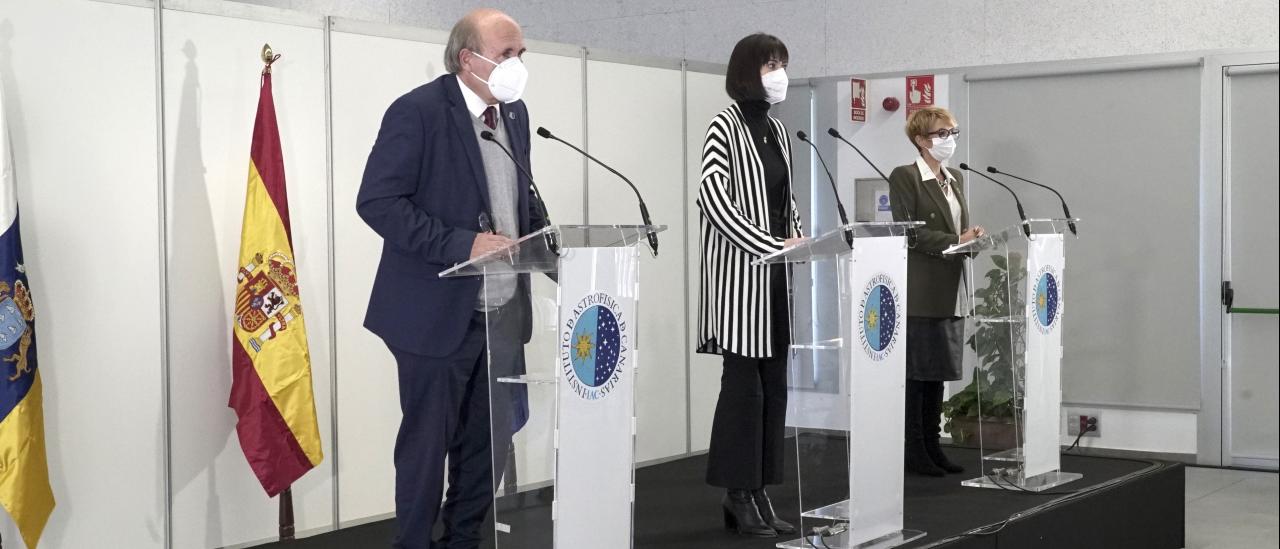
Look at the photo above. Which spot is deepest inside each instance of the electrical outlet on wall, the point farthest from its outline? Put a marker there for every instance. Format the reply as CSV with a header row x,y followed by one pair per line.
x,y
1078,419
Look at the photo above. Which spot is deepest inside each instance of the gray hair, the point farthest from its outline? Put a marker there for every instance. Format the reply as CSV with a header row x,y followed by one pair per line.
x,y
465,35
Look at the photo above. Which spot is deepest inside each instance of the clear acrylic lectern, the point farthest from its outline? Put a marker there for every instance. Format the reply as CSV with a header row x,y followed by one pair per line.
x,y
562,376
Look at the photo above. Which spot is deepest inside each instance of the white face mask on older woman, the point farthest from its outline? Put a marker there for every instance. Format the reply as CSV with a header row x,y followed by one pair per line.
x,y
775,86
943,148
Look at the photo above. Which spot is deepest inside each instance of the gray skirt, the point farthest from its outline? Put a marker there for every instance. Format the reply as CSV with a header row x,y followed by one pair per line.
x,y
935,348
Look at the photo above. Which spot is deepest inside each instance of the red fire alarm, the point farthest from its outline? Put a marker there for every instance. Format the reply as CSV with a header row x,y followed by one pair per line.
x,y
890,104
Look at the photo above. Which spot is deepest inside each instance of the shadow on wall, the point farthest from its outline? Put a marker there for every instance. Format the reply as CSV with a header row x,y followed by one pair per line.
x,y
199,327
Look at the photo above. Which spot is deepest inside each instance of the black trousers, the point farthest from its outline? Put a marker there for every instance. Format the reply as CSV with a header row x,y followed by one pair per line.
x,y
749,427
446,407
750,423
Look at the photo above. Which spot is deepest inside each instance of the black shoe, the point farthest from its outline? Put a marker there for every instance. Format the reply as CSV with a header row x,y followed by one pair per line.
x,y
934,450
766,513
741,515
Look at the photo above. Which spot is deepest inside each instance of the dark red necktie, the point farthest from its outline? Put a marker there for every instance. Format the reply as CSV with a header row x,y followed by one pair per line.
x,y
491,118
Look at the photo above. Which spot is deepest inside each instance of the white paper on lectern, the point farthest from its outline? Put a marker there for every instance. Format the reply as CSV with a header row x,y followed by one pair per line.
x,y
1043,396
595,456
877,385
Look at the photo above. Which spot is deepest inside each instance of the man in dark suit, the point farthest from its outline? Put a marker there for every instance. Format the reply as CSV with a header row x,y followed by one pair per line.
x,y
438,195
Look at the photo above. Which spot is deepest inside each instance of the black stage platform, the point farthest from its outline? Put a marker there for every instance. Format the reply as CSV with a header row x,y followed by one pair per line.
x,y
1120,503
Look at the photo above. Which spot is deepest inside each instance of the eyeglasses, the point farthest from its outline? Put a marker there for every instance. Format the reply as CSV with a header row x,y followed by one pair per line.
x,y
944,133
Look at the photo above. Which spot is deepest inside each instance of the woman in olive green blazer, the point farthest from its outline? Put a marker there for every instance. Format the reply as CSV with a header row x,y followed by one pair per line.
x,y
928,191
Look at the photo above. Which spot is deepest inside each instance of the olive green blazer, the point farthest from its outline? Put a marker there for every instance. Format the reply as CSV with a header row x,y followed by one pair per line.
x,y
932,278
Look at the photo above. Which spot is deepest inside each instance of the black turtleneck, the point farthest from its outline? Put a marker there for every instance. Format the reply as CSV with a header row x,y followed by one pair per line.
x,y
778,194
756,114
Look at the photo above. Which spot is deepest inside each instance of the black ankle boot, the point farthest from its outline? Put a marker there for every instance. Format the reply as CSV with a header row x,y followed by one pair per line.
x,y
766,513
914,456
741,515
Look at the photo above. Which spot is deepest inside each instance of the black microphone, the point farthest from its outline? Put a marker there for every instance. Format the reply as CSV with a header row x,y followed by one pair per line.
x,y
644,210
542,206
1065,212
911,231
1026,227
844,219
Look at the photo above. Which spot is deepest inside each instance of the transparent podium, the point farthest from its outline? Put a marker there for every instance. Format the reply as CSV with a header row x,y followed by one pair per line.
x,y
846,384
562,367
1016,335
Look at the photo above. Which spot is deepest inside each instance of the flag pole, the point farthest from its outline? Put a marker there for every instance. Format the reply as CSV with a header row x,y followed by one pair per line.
x,y
286,515
286,497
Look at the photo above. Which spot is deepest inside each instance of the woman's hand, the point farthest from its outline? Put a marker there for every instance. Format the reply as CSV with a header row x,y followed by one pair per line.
x,y
790,242
972,233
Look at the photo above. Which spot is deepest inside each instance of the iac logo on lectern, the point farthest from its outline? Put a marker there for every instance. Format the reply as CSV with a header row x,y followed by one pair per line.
x,y
1046,307
593,347
881,323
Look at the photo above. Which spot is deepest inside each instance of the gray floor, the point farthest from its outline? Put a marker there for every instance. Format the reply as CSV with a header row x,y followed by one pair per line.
x,y
1232,509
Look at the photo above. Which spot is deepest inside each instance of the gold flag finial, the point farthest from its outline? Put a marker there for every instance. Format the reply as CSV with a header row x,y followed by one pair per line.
x,y
268,57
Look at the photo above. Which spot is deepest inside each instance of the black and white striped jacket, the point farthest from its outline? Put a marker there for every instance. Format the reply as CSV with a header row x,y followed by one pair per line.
x,y
734,305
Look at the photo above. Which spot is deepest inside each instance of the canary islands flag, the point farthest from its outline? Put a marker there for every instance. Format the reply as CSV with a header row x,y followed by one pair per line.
x,y
24,473
270,364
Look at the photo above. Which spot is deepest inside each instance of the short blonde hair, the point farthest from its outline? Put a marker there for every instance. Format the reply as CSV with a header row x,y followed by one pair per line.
x,y
921,121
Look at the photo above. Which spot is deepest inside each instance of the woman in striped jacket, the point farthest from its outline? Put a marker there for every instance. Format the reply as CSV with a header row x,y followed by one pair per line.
x,y
748,211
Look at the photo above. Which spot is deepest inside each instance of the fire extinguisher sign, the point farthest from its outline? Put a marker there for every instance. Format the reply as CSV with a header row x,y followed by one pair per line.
x,y
920,92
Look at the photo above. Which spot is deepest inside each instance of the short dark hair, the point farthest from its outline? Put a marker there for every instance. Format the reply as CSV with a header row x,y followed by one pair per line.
x,y
742,79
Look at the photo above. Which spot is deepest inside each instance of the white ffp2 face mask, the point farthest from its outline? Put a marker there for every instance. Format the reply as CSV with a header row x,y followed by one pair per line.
x,y
775,86
508,79
943,148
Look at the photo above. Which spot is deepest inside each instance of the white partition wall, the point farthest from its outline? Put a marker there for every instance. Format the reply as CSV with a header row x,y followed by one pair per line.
x,y
368,73
634,120
704,98
85,161
1132,338
211,85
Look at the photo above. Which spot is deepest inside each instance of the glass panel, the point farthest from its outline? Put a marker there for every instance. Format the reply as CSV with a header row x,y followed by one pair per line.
x,y
522,415
818,395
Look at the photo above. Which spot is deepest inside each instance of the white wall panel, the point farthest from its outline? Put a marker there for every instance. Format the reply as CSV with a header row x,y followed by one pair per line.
x,y
212,68
368,74
554,98
1126,161
84,145
634,124
705,98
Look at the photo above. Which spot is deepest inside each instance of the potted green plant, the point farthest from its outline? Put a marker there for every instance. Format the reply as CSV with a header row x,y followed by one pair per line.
x,y
988,402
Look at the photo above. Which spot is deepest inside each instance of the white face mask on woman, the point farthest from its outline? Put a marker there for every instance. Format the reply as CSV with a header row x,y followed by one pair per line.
x,y
775,86
943,148
507,80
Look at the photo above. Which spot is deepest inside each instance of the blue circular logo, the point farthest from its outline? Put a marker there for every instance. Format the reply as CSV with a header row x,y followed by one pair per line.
x,y
594,346
1047,299
880,320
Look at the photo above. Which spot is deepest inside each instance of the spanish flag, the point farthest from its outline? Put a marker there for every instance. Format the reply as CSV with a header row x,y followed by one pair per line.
x,y
24,473
270,364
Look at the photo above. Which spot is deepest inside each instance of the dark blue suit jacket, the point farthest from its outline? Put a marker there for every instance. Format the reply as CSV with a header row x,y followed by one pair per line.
x,y
423,190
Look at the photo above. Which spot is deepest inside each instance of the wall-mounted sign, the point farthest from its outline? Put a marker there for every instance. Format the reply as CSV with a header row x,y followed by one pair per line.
x,y
858,101
919,92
